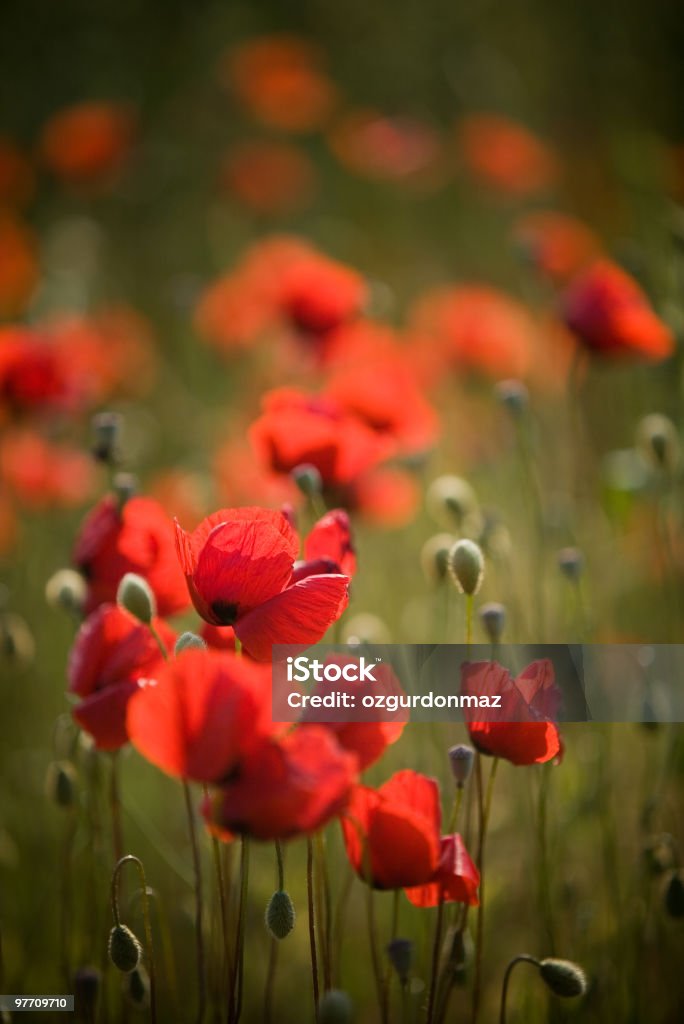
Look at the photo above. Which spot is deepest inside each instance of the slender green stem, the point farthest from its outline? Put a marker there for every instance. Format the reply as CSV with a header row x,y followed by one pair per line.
x,y
239,962
324,909
115,807
199,925
312,923
469,621
436,948
484,807
273,951
455,810
521,958
114,898
160,642
375,959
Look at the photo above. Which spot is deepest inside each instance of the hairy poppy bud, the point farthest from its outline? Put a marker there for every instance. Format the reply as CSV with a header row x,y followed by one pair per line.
x,y
563,977
308,479
280,914
106,432
571,563
513,395
400,953
136,596
137,987
60,783
461,761
188,641
125,950
335,1007
434,557
658,441
493,618
674,894
66,589
466,565
451,501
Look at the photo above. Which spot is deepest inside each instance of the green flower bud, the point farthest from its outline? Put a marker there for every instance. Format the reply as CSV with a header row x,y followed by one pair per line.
x,y
571,563
125,950
466,565
280,915
658,442
66,589
335,1007
188,641
106,431
60,783
451,501
308,479
136,596
563,977
493,619
434,557
461,760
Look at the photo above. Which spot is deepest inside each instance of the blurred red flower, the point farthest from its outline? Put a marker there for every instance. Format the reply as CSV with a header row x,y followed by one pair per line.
x,y
456,879
557,244
19,269
330,540
87,141
474,327
41,473
268,177
285,787
110,656
201,714
281,80
394,149
31,377
611,315
522,729
506,156
137,538
240,569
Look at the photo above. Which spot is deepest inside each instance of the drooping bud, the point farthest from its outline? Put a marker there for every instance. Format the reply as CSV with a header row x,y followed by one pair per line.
x,y
136,596
461,761
60,783
335,1007
280,914
125,950
308,479
66,589
513,395
658,442
673,896
136,986
493,618
188,641
106,432
400,953
563,977
434,557
571,563
366,628
451,501
466,565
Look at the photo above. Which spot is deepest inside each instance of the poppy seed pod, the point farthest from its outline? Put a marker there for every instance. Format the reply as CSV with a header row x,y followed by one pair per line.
x,y
461,761
280,914
493,618
136,596
187,641
658,441
60,783
335,1007
66,589
434,556
466,565
513,395
451,501
308,479
106,432
125,950
400,953
564,978
571,563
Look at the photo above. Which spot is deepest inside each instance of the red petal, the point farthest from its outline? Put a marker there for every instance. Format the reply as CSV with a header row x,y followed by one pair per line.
x,y
331,538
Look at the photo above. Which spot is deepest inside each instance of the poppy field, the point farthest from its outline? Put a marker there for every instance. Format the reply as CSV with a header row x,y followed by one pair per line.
x,y
362,327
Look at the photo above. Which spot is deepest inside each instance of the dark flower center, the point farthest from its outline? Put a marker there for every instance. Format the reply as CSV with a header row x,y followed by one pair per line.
x,y
225,612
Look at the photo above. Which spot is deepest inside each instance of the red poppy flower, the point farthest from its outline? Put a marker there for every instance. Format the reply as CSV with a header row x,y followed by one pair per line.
x,y
611,315
286,787
556,244
369,738
521,729
475,328
396,149
30,375
269,177
219,638
137,538
392,834
317,294
296,428
19,267
455,881
41,473
111,654
505,155
239,567
330,539
85,142
202,713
